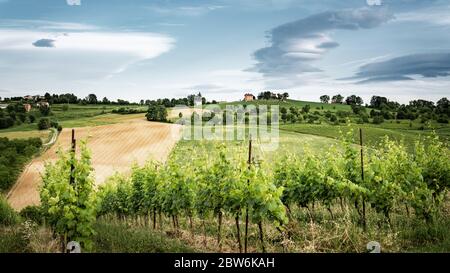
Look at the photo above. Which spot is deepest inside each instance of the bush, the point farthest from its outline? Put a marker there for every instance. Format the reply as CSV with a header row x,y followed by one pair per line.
x,y
54,124
14,154
33,213
8,216
333,118
65,107
60,128
442,119
44,124
32,118
378,120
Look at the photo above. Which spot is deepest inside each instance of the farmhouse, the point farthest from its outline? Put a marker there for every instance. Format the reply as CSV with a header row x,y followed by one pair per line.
x,y
43,104
27,107
249,97
28,97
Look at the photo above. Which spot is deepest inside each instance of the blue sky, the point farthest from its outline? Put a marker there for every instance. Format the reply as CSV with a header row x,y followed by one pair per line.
x,y
224,48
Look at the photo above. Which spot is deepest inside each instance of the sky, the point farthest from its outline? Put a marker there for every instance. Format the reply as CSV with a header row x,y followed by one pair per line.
x,y
140,49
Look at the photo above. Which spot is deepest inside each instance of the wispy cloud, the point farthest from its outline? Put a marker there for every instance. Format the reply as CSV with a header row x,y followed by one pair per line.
x,y
434,15
165,24
296,45
141,45
184,10
407,67
44,43
45,25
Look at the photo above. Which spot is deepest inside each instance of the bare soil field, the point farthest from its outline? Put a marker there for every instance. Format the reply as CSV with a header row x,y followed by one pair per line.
x,y
114,148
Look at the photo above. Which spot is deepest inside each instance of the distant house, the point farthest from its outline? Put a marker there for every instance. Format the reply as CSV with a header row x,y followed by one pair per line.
x,y
28,97
43,104
27,107
249,97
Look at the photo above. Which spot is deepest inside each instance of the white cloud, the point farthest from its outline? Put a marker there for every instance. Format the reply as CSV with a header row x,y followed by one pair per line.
x,y
185,10
436,16
141,45
45,25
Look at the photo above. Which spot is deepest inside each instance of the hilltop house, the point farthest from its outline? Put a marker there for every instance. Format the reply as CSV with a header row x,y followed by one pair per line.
x,y
43,104
249,97
27,107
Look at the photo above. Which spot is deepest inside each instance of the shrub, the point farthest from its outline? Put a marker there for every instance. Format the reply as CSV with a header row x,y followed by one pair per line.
x,y
32,118
378,120
8,216
33,213
442,119
333,118
60,128
65,107
44,124
54,124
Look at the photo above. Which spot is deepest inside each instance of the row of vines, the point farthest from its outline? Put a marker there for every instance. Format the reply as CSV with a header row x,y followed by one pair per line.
x,y
231,184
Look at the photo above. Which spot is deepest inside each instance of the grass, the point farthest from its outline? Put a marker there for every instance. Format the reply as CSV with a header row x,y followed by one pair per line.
x,y
75,116
372,134
44,135
125,238
315,106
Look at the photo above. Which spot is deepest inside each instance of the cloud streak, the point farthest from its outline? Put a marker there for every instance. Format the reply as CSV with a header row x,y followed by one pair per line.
x,y
44,43
295,46
402,68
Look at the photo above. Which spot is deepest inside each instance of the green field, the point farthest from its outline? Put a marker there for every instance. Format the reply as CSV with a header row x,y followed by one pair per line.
x,y
75,116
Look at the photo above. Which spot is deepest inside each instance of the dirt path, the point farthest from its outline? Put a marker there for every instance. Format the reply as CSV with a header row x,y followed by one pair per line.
x,y
114,148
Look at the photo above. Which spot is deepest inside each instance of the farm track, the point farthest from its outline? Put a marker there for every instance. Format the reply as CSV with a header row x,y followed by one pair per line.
x,y
114,148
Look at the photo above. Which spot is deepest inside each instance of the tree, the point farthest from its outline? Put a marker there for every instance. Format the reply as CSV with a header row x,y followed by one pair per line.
x,y
378,102
156,113
306,108
325,99
283,114
354,100
338,99
44,109
48,97
378,120
32,118
105,101
91,99
443,106
44,124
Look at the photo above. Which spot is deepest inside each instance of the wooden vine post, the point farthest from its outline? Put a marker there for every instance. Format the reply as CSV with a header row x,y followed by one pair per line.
x,y
248,183
362,177
72,167
65,238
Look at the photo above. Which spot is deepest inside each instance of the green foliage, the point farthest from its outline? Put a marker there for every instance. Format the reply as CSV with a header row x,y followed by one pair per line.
x,y
8,216
14,154
33,213
70,208
44,124
156,113
392,176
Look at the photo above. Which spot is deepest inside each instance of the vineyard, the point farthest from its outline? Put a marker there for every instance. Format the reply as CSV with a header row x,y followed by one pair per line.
x,y
228,200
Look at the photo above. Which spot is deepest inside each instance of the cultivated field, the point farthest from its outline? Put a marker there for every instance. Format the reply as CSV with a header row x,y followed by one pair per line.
x,y
114,149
